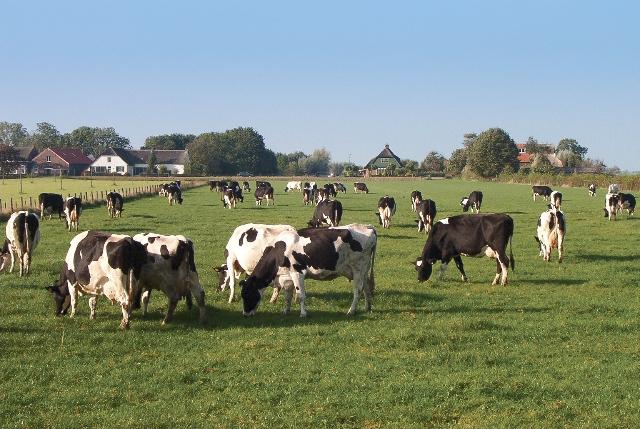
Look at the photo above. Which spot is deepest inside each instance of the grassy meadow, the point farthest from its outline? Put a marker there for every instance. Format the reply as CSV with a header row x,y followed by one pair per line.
x,y
558,347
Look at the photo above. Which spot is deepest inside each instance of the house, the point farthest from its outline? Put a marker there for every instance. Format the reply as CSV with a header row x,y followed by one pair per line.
x,y
56,161
18,160
379,164
136,162
526,159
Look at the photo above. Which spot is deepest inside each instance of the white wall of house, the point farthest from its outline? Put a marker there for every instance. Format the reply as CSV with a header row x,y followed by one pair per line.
x,y
109,164
172,168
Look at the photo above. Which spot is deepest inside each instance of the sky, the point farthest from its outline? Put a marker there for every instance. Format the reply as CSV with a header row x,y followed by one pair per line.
x,y
349,76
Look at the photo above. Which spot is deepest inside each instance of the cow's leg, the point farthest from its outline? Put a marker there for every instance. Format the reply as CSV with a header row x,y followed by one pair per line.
x,y
460,266
498,272
275,294
560,247
146,296
73,298
198,293
502,261
173,302
298,284
288,295
26,260
93,301
443,268
11,251
358,286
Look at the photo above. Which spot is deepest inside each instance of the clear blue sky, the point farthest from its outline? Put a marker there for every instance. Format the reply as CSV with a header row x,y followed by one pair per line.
x,y
348,76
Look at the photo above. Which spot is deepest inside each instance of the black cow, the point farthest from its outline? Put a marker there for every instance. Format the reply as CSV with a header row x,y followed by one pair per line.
x,y
115,204
426,215
541,191
470,235
327,212
174,194
72,212
386,209
262,184
360,187
330,189
340,187
416,197
474,200
264,193
49,204
627,202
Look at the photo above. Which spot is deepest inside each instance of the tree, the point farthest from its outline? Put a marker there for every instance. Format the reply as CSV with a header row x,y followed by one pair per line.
x,y
46,135
541,164
13,134
7,159
572,146
168,141
409,167
491,151
569,158
533,147
317,163
152,163
433,163
94,140
469,139
336,168
457,162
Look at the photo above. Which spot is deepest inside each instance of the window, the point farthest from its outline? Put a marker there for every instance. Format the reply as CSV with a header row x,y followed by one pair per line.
x,y
120,169
108,159
48,158
109,169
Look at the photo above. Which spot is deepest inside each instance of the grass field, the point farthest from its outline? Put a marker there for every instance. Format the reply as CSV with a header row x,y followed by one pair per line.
x,y
558,347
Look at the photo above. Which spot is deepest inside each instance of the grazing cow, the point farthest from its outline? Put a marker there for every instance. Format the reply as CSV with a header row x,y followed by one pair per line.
x,y
386,209
23,236
100,263
360,187
115,204
49,204
627,202
171,268
592,190
262,184
470,235
321,254
611,202
243,251
340,187
330,189
264,193
426,215
308,196
72,212
474,200
541,191
213,184
550,233
416,198
293,186
614,188
326,212
229,198
246,187
556,199
174,194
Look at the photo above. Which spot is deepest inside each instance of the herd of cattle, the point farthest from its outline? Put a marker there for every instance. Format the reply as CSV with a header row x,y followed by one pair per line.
x,y
125,269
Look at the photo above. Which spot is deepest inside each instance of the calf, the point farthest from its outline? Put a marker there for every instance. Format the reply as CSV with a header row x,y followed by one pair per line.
x,y
474,200
592,190
611,202
49,204
360,187
627,202
416,198
426,215
541,191
386,209
100,263
470,235
293,186
339,187
550,233
327,212
170,267
23,236
72,212
174,194
264,193
321,254
115,204
556,199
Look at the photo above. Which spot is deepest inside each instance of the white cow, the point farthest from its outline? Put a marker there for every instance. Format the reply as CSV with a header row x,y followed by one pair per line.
x,y
550,233
23,236
293,186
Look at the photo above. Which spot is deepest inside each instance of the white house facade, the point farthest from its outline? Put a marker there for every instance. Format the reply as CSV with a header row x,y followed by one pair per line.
x,y
136,162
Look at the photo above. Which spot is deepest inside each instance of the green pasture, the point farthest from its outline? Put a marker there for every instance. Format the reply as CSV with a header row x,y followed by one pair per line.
x,y
558,347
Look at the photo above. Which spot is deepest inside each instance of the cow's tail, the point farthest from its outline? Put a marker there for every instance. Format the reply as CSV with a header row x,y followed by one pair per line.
x,y
27,242
371,281
134,297
512,261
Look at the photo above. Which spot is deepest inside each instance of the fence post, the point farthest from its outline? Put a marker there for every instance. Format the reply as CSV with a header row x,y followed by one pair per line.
x,y
30,203
21,203
11,204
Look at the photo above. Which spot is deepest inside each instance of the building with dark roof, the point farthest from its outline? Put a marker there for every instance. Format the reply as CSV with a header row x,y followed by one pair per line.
x,y
136,162
379,164
55,161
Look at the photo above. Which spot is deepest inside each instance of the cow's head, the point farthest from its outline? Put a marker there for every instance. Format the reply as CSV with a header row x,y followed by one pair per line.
x,y
5,256
251,296
314,223
222,275
61,297
465,204
424,269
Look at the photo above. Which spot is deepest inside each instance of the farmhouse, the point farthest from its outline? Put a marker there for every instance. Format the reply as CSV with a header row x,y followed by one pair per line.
x,y
383,161
18,160
136,162
526,159
55,161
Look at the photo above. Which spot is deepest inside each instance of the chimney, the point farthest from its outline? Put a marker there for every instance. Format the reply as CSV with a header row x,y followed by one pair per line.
x,y
386,146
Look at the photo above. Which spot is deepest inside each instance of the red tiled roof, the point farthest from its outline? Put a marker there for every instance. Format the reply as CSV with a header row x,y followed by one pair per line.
x,y
524,157
71,155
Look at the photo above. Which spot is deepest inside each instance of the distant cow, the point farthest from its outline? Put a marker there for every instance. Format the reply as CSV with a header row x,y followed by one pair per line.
x,y
294,185
426,215
340,187
611,202
23,236
470,235
592,190
174,194
213,184
550,233
474,200
327,212
614,188
264,193
541,191
556,199
321,195
100,263
228,198
72,212
262,184
416,198
49,204
386,209
321,254
308,196
627,202
246,187
330,189
360,187
115,204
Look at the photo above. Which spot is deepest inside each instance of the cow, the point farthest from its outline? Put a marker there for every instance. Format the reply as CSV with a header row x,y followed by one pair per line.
x,y
49,204
243,251
315,253
339,187
262,184
556,199
321,195
293,186
23,236
213,184
614,188
426,215
386,209
100,263
541,191
163,189
416,198
592,190
360,187
611,202
246,187
326,212
469,235
229,198
627,202
308,196
330,189
550,233
72,212
115,204
170,267
264,193
474,200
174,194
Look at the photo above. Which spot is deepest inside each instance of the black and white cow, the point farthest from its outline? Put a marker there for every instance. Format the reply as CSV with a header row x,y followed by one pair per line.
x,y
592,190
611,202
326,212
541,191
360,187
321,195
474,200
614,188
386,209
243,251
556,199
426,215
171,268
246,187
308,196
23,236
213,184
550,233
72,212
115,204
264,193
469,235
340,187
174,194
330,190
627,202
100,263
262,184
293,185
315,253
416,198
49,204
229,198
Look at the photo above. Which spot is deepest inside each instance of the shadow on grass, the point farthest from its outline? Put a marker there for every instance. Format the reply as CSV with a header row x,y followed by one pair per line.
x,y
563,282
489,310
594,257
144,216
